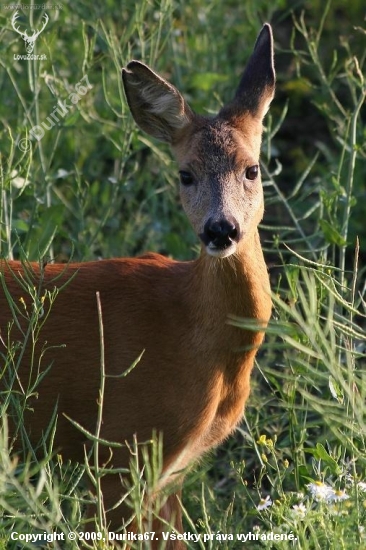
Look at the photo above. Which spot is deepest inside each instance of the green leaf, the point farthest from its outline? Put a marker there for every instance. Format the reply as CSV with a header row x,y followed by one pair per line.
x,y
320,453
336,390
21,226
331,234
71,119
42,236
206,81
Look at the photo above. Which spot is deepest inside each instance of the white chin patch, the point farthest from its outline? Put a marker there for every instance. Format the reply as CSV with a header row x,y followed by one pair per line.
x,y
212,250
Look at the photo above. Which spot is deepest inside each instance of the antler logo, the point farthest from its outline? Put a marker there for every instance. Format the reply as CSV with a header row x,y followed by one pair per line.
x,y
29,40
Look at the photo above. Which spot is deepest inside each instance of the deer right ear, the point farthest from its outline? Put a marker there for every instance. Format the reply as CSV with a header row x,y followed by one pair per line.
x,y
157,106
257,85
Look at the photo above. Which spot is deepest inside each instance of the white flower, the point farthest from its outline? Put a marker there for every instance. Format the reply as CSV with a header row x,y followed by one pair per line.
x,y
17,181
299,510
320,490
337,496
361,485
264,503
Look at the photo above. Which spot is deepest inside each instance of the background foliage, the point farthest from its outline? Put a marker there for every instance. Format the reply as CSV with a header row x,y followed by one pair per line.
x,y
94,186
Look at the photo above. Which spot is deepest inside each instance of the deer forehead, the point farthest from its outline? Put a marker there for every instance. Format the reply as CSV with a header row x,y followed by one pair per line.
x,y
216,146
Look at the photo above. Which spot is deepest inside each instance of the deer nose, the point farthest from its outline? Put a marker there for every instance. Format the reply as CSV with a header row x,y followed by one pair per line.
x,y
220,233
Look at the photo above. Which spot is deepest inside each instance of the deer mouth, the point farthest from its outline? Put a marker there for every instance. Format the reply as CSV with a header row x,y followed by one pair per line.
x,y
221,250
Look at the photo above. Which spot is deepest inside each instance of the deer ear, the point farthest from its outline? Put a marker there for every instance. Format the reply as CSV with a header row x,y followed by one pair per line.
x,y
257,85
157,106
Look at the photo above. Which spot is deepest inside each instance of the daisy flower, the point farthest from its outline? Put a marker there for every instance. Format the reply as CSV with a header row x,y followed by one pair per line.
x,y
299,510
320,490
264,503
338,496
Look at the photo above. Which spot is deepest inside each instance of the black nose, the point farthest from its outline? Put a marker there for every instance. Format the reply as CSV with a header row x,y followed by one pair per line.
x,y
220,233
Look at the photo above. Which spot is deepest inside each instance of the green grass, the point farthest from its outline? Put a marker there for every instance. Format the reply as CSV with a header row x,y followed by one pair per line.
x,y
94,186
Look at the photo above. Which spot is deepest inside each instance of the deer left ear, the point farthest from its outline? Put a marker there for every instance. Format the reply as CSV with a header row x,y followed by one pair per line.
x,y
257,85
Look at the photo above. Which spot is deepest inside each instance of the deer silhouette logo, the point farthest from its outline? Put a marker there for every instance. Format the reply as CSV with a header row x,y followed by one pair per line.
x,y
29,40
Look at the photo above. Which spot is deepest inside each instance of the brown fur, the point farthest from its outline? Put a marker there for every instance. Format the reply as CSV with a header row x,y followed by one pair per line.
x,y
192,382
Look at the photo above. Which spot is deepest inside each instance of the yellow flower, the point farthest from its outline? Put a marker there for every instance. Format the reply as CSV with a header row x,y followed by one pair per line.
x,y
262,440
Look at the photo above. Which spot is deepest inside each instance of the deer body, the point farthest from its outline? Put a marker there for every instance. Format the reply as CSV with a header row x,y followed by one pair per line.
x,y
192,381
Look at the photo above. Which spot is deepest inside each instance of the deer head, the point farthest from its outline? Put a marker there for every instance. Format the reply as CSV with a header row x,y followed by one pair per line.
x,y
29,40
218,157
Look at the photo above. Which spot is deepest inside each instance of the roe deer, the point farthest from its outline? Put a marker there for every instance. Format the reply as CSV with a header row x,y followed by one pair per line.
x,y
192,381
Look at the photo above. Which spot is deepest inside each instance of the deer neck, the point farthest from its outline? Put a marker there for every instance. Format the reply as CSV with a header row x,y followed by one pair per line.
x,y
233,286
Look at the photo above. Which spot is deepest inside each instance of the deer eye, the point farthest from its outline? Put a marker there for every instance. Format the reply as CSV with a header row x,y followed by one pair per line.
x,y
251,173
186,178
